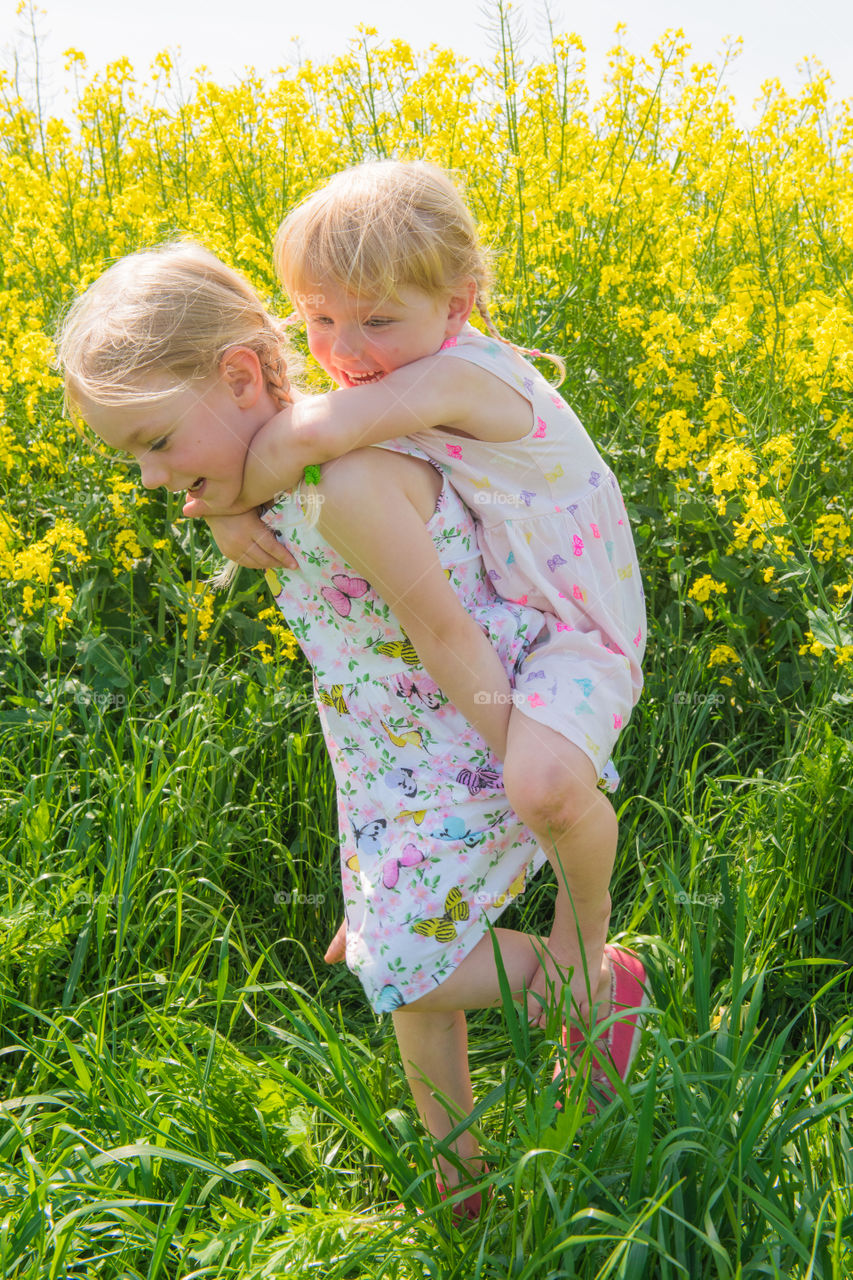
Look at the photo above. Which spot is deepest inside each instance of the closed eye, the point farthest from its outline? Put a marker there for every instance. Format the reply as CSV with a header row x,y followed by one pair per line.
x,y
156,445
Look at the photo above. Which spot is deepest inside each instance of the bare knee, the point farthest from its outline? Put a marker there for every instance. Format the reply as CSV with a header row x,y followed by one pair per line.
x,y
551,793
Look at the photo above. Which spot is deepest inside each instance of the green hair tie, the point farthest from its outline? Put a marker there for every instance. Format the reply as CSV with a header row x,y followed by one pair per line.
x,y
312,474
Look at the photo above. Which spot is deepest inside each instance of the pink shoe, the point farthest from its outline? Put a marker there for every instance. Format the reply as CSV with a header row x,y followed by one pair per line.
x,y
469,1208
627,991
620,1044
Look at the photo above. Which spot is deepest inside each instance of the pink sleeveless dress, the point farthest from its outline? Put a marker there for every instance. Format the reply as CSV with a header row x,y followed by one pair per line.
x,y
554,534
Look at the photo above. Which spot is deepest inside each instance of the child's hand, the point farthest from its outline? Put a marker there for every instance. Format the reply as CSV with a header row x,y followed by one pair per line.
x,y
246,540
337,949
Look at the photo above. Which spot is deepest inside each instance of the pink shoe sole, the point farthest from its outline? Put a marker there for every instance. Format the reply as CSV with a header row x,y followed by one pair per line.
x,y
468,1209
619,1045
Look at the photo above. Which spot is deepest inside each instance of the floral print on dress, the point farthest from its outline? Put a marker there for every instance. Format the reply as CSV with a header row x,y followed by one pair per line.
x,y
431,854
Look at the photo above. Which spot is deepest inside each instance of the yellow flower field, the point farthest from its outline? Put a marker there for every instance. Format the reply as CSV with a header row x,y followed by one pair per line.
x,y
695,279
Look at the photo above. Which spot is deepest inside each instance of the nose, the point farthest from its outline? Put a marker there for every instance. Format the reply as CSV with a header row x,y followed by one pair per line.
x,y
154,473
348,342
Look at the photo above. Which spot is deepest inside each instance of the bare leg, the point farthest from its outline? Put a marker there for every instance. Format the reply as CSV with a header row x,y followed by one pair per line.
x,y
431,1031
434,1050
474,984
551,784
433,1037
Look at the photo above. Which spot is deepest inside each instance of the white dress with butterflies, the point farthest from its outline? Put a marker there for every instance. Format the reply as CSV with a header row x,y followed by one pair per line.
x,y
554,534
430,852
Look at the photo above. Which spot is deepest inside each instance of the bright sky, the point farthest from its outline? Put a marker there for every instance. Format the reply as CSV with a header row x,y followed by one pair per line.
x,y
777,34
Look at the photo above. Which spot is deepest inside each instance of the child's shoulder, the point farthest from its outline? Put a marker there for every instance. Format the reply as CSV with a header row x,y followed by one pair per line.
x,y
501,360
471,342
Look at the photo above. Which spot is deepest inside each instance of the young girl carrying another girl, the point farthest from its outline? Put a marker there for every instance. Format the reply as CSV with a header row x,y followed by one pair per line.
x,y
384,266
170,356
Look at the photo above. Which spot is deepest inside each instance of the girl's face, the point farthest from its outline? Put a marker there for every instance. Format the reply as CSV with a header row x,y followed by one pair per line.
x,y
193,441
360,339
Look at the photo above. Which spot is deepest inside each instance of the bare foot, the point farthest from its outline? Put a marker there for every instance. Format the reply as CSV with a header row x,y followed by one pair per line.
x,y
548,985
337,948
561,961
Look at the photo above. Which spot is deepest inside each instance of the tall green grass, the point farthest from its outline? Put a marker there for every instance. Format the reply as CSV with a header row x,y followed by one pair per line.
x,y
189,1090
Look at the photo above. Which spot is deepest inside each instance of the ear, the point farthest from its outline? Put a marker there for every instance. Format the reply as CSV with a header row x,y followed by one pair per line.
x,y
460,305
240,370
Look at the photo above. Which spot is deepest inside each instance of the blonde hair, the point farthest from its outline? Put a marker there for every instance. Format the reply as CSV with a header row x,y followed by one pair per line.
x,y
160,321
385,226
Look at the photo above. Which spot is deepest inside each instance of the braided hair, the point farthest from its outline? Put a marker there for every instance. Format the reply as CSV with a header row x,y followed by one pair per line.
x,y
159,322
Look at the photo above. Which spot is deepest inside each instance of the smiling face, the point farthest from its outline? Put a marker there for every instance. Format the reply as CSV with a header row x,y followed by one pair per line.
x,y
360,339
193,440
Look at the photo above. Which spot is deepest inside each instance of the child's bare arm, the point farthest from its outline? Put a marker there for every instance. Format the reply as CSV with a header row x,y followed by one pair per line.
x,y
246,540
435,391
383,535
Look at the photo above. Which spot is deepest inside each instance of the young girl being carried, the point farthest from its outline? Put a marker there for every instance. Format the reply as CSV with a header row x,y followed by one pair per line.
x,y
170,356
384,266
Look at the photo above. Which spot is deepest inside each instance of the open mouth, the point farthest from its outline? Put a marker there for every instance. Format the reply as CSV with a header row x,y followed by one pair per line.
x,y
196,488
361,379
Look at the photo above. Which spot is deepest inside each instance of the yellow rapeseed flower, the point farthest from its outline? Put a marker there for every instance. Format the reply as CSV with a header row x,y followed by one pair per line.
x,y
700,268
62,599
704,586
264,651
812,645
127,551
723,655
831,535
